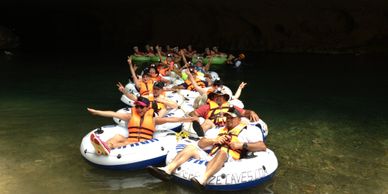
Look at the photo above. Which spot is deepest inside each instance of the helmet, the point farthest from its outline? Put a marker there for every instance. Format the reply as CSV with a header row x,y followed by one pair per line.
x,y
214,76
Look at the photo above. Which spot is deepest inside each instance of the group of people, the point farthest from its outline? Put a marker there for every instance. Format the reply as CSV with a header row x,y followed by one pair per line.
x,y
189,53
218,123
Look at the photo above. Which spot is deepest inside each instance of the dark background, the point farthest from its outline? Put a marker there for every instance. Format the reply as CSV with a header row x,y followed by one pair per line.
x,y
299,26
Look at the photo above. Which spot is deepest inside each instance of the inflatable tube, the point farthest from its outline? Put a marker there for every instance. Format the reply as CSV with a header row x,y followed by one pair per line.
x,y
140,59
131,88
174,96
237,102
263,126
176,127
122,123
245,173
189,95
215,60
156,58
130,157
127,101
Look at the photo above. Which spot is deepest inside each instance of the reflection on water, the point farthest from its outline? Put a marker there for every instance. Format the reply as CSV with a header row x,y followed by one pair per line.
x,y
326,116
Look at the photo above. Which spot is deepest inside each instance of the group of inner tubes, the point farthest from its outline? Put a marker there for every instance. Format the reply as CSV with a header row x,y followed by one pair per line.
x,y
149,54
215,132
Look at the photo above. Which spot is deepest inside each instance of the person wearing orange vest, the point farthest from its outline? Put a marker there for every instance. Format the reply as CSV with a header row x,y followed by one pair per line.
x,y
141,125
228,144
159,102
154,74
217,84
145,84
188,84
169,58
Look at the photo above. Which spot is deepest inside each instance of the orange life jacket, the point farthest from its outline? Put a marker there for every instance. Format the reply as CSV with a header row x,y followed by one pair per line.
x,y
190,86
146,88
141,128
215,111
233,134
210,90
163,70
156,78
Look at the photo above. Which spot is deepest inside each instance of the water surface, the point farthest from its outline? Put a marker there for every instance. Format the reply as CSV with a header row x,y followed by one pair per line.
x,y
327,116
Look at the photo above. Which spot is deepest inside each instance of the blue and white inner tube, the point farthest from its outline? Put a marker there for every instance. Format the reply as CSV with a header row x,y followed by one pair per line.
x,y
245,173
130,157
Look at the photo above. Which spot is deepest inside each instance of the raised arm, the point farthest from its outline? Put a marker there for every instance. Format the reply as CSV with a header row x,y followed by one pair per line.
x,y
209,62
162,120
196,86
122,116
251,115
167,102
238,91
159,54
122,89
181,52
132,70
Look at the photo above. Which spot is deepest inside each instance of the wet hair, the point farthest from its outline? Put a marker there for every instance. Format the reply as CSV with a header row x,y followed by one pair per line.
x,y
142,101
159,85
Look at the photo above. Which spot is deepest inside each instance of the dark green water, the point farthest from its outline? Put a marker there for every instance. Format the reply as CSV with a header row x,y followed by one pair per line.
x,y
327,117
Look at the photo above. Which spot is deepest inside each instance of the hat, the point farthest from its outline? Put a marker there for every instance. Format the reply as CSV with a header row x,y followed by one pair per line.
x,y
233,112
219,91
199,60
159,85
142,101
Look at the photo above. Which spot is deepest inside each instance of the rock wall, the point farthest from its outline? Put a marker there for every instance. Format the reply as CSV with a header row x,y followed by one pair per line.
x,y
8,39
266,25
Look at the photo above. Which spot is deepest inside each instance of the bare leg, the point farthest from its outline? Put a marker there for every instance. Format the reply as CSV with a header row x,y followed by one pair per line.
x,y
208,124
214,166
188,152
117,141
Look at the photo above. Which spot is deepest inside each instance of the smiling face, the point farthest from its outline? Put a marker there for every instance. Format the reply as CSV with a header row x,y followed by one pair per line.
x,y
219,99
152,72
141,110
157,91
145,77
231,122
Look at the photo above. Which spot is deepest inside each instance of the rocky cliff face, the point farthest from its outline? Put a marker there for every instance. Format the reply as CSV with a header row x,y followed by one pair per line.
x,y
268,25
8,39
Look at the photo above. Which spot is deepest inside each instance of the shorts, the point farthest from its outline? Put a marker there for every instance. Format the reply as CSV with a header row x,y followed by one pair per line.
x,y
203,155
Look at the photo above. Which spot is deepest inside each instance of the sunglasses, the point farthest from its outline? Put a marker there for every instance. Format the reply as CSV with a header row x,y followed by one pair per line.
x,y
139,106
